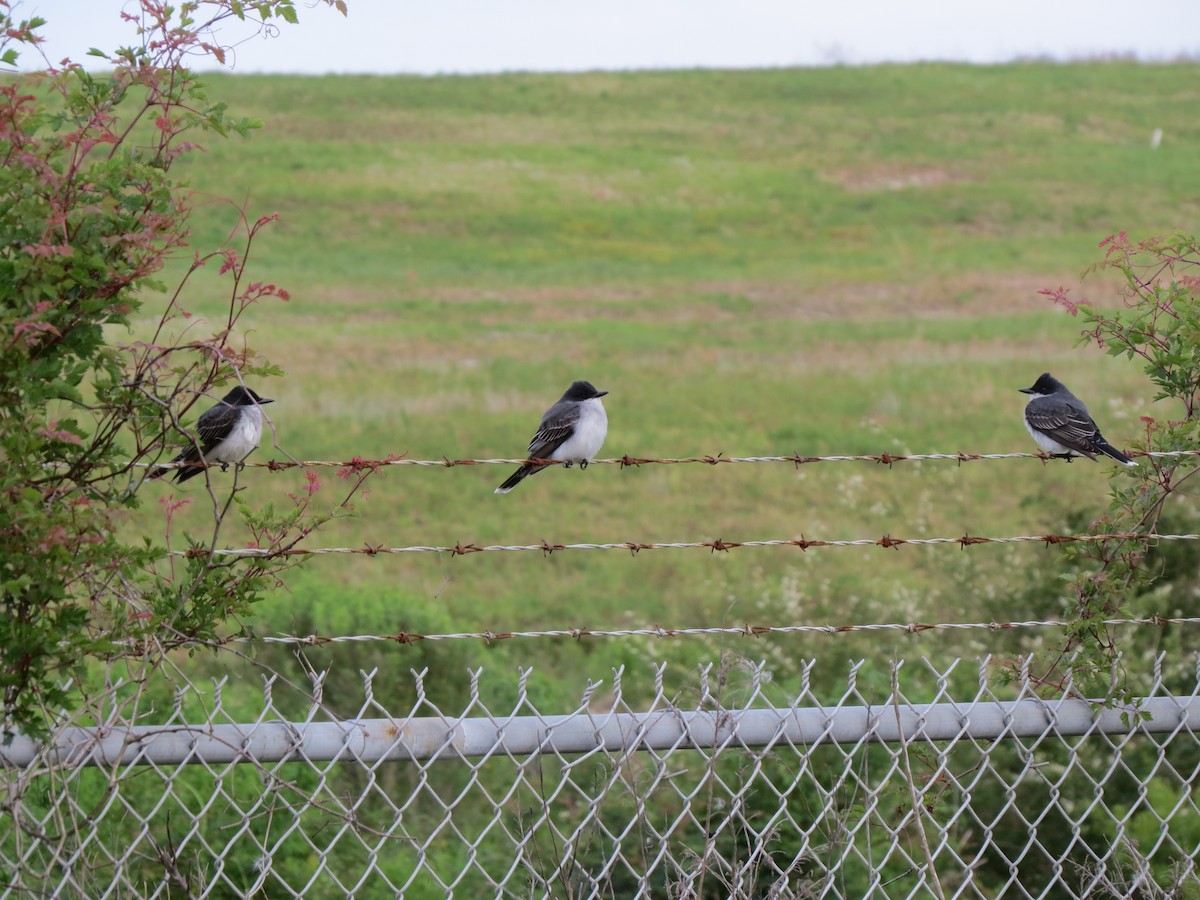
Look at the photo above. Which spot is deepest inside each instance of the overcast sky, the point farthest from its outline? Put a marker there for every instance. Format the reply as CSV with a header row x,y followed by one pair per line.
x,y
431,36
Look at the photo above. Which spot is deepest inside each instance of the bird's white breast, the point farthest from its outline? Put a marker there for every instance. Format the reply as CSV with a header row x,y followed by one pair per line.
x,y
1047,443
589,435
242,439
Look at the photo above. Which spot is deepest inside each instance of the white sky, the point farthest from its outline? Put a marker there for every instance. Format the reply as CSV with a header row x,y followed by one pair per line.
x,y
431,36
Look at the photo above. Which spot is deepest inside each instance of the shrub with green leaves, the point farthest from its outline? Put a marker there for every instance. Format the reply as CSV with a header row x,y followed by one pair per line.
x,y
1160,327
89,214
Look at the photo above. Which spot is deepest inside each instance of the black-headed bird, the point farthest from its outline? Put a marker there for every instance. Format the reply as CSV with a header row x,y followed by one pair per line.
x,y
1060,423
226,433
572,430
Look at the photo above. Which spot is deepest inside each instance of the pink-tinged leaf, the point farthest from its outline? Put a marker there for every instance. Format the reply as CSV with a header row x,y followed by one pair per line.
x,y
88,142
1149,420
55,537
171,506
54,433
1059,297
48,250
314,483
1115,243
30,332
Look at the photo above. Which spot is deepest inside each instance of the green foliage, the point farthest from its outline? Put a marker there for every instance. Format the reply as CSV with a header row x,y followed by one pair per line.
x,y
1163,802
1160,328
89,214
77,248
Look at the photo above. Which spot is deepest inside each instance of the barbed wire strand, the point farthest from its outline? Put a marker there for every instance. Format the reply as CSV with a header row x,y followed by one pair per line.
x,y
657,631
358,463
634,547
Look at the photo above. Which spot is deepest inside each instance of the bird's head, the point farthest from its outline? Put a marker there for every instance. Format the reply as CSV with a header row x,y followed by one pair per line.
x,y
244,396
1046,385
582,390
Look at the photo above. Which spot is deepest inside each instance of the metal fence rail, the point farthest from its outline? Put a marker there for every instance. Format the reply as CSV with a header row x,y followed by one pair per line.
x,y
900,781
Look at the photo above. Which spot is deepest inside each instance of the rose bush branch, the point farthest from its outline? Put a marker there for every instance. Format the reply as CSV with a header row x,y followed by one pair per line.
x,y
1159,326
89,216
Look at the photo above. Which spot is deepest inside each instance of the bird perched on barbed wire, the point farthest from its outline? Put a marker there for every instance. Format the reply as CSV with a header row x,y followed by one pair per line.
x,y
1060,423
572,430
226,433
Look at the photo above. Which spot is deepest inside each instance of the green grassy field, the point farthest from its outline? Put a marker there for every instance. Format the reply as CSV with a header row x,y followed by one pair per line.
x,y
836,261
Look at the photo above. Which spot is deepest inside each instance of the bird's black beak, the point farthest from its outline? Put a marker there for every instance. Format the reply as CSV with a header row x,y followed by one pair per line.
x,y
601,393
264,400
1027,390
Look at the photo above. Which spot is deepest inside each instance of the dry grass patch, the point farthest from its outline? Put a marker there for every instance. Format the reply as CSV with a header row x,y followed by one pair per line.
x,y
864,179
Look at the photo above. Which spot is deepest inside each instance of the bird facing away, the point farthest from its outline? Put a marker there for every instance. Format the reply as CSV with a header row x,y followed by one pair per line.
x,y
572,430
1060,423
227,433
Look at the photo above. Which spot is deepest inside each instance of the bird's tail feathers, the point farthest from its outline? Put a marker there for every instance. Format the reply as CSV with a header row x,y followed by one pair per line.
x,y
517,477
514,479
1109,450
186,472
188,469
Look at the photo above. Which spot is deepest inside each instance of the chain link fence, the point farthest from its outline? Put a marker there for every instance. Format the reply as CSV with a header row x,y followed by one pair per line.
x,y
900,780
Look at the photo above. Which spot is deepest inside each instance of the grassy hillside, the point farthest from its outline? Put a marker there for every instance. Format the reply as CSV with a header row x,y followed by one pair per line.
x,y
812,261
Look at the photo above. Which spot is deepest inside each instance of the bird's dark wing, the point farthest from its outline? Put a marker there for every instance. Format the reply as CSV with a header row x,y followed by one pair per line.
x,y
1069,425
557,425
215,424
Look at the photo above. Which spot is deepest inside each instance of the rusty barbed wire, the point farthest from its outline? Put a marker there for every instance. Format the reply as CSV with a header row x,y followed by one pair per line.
x,y
635,547
657,631
357,463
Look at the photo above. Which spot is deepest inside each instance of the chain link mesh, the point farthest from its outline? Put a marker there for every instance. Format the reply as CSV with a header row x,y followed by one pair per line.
x,y
900,781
